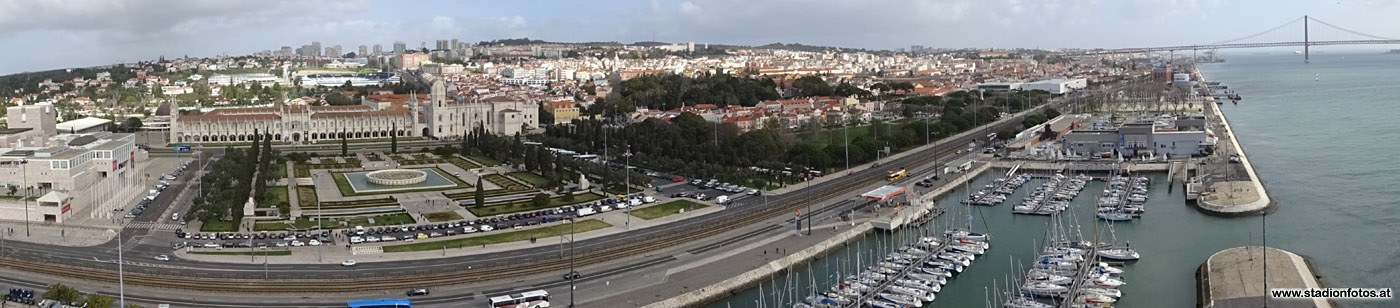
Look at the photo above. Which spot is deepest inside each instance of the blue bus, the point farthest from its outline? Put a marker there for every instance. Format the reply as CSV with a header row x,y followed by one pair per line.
x,y
381,303
181,148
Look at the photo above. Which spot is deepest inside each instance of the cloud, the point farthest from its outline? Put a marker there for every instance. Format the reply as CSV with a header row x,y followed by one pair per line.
x,y
138,20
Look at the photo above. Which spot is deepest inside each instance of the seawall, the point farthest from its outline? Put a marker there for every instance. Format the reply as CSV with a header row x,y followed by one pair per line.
x,y
721,289
1216,205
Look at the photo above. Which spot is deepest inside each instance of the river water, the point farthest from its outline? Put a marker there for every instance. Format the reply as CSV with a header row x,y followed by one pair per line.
x,y
1319,134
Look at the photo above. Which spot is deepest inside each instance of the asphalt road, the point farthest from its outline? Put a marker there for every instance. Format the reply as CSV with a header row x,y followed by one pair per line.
x,y
86,256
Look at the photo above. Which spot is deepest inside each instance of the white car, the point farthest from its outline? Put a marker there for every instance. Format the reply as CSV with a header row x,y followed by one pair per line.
x,y
348,263
314,243
162,258
468,229
298,244
485,228
387,238
280,244
372,239
648,199
356,240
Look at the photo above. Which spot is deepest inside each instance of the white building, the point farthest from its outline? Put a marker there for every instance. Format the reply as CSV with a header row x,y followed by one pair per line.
x,y
1057,86
57,176
377,116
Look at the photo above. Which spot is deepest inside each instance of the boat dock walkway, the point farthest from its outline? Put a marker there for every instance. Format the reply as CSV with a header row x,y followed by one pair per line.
x,y
1230,186
1062,186
1234,278
1091,257
1085,166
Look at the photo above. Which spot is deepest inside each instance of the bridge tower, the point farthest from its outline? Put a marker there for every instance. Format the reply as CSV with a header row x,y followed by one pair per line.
x,y
1305,40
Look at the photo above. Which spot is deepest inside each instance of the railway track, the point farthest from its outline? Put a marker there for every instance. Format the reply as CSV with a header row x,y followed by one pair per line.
x,y
715,224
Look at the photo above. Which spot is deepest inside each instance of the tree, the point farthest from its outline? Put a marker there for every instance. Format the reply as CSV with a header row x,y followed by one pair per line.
x,y
812,86
394,142
540,200
13,190
98,301
1006,135
344,145
338,99
62,293
347,86
480,196
132,124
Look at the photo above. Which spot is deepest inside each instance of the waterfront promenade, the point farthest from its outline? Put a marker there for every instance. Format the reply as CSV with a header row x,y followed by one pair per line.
x,y
1234,278
1231,188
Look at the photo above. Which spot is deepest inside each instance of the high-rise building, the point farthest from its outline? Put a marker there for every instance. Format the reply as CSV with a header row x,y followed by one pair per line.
x,y
455,45
442,45
378,49
364,51
315,49
400,47
286,51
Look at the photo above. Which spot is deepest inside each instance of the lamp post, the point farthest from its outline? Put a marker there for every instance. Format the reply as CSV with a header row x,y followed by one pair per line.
x,y
571,262
121,273
24,174
627,184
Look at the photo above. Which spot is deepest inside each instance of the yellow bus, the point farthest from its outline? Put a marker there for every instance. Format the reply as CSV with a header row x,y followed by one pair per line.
x,y
897,175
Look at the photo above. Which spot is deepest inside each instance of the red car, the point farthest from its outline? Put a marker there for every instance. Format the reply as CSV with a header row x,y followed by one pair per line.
x,y
677,179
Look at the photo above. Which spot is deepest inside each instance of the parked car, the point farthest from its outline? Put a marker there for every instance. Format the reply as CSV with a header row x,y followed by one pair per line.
x,y
417,292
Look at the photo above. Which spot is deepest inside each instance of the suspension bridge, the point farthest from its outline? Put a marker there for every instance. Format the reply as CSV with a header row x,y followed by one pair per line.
x,y
1285,35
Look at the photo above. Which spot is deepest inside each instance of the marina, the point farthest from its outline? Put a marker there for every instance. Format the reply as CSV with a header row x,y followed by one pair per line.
x,y
1053,196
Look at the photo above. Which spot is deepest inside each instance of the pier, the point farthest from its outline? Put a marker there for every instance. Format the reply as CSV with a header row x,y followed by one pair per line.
x,y
923,207
1235,278
1229,185
1087,166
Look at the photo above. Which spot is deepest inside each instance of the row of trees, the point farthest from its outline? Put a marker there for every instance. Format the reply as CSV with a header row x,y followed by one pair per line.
x,y
264,156
227,186
691,146
669,91
555,169
73,297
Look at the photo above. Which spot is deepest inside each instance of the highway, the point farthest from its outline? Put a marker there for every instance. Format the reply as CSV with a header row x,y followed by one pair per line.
x,y
150,243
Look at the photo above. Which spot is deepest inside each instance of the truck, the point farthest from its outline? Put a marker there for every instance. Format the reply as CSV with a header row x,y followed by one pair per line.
x,y
585,212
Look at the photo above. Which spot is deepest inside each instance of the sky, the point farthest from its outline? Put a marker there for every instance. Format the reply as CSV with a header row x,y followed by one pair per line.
x,y
51,34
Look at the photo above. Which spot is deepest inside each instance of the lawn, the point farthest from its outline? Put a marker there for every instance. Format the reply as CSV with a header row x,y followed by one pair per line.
x,y
485,161
665,209
350,204
530,177
277,196
492,209
505,182
218,226
505,237
304,223
345,190
835,136
462,163
244,253
306,195
442,216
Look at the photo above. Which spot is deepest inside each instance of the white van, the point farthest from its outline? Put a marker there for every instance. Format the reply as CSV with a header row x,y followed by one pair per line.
x,y
585,211
356,240
721,199
648,199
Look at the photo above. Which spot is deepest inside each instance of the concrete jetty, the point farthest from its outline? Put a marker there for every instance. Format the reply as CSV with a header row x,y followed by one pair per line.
x,y
924,204
1234,278
1231,192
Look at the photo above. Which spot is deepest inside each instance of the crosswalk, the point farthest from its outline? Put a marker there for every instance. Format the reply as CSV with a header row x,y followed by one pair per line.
x,y
153,226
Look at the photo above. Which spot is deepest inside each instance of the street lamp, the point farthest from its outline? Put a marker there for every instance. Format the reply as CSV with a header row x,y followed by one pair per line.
x,y
24,173
627,184
121,273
